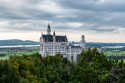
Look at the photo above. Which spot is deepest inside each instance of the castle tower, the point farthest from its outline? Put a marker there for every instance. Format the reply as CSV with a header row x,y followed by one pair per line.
x,y
48,30
83,42
54,42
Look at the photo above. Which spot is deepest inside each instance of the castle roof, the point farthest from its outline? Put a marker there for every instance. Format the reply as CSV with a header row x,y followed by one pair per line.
x,y
76,47
49,38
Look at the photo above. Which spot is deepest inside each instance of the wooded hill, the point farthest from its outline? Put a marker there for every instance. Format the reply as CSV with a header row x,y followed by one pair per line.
x,y
17,42
93,67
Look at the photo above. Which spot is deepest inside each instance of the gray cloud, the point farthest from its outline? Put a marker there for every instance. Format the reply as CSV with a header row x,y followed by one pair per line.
x,y
101,16
94,5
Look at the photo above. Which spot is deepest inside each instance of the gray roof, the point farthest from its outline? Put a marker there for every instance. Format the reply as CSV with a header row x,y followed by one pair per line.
x,y
49,38
76,47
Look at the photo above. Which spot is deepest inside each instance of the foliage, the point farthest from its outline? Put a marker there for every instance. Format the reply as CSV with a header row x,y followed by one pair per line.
x,y
7,73
93,67
35,69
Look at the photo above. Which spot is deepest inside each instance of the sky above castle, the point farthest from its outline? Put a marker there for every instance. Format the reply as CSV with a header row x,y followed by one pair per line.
x,y
98,20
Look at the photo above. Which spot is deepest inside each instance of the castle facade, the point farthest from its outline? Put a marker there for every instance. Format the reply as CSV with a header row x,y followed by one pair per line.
x,y
55,44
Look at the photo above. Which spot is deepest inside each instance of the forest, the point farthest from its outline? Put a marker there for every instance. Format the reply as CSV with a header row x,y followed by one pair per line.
x,y
93,67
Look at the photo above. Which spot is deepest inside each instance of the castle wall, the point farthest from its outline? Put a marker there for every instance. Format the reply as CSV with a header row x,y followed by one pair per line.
x,y
49,45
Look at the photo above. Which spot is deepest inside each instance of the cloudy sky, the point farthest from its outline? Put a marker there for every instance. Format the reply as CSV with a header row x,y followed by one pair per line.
x,y
98,20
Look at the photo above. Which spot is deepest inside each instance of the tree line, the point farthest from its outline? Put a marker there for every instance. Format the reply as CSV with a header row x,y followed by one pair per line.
x,y
93,67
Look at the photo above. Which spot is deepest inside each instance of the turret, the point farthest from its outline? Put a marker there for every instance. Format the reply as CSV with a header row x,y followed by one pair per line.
x,y
48,30
54,42
54,36
54,33
83,42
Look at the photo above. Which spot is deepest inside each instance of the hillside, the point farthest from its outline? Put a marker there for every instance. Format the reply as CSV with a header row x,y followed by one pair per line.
x,y
99,44
17,42
29,42
93,67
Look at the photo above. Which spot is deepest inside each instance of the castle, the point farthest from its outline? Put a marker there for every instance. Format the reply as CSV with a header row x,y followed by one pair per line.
x,y
54,44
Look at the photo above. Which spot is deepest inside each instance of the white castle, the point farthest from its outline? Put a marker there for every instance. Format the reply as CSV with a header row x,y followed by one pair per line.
x,y
54,44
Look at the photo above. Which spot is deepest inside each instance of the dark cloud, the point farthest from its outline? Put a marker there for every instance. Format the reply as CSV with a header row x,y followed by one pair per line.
x,y
94,5
34,15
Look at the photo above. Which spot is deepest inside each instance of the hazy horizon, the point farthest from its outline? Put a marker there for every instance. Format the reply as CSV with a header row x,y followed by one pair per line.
x,y
68,41
98,20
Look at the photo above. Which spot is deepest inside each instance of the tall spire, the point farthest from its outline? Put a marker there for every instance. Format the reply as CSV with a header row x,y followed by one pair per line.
x,y
48,30
54,33
48,26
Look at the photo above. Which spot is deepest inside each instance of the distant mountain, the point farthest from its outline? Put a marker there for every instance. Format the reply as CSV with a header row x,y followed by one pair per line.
x,y
29,42
17,42
100,44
